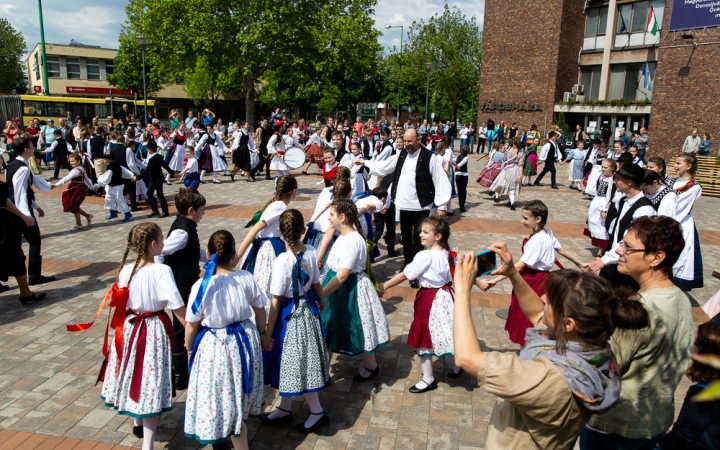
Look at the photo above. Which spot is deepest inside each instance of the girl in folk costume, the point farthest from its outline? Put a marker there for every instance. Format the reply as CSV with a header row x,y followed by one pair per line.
x,y
276,146
663,198
431,332
493,167
446,153
359,174
576,167
658,165
74,195
242,145
688,270
189,175
326,195
137,372
330,167
211,148
508,180
175,150
296,361
320,222
538,257
225,384
314,149
595,227
84,153
262,244
594,156
140,186
354,319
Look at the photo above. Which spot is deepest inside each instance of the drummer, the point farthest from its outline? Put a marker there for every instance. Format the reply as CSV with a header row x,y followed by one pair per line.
x,y
281,139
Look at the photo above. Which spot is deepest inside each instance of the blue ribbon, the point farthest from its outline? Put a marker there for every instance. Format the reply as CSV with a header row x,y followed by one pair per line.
x,y
209,271
310,233
298,283
249,263
357,197
243,344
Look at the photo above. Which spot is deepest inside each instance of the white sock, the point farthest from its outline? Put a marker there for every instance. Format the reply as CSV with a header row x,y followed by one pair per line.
x,y
496,195
370,364
512,198
214,176
241,443
316,409
202,175
149,426
286,404
426,365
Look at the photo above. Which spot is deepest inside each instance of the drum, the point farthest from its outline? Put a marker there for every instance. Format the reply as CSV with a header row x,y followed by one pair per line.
x,y
294,157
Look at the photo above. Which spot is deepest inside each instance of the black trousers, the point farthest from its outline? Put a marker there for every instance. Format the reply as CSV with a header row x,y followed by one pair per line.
x,y
461,182
481,145
549,167
264,162
616,279
61,162
383,221
410,224
153,187
131,191
34,238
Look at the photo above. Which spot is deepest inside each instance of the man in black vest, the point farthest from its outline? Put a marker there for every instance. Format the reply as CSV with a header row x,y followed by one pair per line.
x,y
20,192
125,157
263,133
419,181
153,177
549,154
62,149
630,206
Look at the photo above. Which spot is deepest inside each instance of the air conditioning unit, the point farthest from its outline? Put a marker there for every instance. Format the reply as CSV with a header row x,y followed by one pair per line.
x,y
578,89
567,96
579,98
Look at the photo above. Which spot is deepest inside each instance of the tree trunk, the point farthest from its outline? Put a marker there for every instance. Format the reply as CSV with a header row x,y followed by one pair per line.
x,y
250,100
454,109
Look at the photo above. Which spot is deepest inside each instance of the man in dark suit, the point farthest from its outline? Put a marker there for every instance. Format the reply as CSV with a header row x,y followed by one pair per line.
x,y
154,178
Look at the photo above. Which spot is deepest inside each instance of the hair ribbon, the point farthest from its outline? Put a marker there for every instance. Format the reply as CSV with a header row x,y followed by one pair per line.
x,y
209,267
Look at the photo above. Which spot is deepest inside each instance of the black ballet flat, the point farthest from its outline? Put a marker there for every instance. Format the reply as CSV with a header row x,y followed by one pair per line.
x,y
4,288
280,421
324,420
138,432
452,374
32,298
373,374
430,387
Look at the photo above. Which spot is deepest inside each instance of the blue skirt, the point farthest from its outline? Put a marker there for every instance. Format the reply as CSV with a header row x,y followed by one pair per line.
x,y
192,180
697,281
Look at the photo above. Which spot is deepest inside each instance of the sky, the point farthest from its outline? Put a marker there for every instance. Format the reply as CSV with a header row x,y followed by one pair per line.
x,y
92,24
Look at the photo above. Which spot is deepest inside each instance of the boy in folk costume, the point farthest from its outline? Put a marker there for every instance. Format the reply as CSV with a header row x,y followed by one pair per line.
x,y
114,178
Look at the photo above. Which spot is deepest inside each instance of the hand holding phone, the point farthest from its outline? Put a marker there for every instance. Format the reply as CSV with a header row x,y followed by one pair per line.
x,y
487,262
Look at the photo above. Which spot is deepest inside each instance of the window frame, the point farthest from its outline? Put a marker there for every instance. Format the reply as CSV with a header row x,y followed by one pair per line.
x,y
75,75
93,63
49,61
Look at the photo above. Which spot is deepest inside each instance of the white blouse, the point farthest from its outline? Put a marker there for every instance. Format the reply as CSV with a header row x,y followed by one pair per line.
x,y
282,272
152,288
228,299
539,251
363,203
348,252
75,172
271,217
430,267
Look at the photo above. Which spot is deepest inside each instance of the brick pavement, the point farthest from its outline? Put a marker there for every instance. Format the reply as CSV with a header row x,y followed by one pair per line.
x,y
48,397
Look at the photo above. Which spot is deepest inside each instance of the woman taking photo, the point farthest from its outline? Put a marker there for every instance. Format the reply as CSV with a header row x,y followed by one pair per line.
x,y
564,373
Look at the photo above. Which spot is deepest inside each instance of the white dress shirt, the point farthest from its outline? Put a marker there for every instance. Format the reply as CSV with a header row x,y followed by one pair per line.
x,y
75,172
546,149
20,181
177,240
625,203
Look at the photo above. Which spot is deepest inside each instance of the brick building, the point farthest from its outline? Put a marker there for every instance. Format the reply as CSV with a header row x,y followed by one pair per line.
x,y
598,64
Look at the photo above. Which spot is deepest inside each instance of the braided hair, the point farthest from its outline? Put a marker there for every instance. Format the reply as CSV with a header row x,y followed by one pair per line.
x,y
139,239
291,228
346,207
441,227
285,186
222,244
342,173
341,189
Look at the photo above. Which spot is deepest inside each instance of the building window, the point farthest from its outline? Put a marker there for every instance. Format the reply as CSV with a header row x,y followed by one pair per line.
x,y
93,69
632,81
632,23
109,66
595,28
590,78
53,66
73,67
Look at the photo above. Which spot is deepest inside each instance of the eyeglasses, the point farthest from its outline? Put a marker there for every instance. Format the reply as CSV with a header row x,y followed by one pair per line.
x,y
629,250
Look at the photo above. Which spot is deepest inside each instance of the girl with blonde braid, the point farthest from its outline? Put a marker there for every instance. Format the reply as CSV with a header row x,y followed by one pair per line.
x,y
326,195
142,292
226,360
354,319
296,359
262,243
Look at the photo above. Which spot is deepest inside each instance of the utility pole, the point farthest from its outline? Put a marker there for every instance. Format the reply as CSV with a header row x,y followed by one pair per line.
x,y
46,89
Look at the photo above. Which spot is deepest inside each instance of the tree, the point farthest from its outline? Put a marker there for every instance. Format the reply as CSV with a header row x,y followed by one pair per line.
x,y
128,71
12,47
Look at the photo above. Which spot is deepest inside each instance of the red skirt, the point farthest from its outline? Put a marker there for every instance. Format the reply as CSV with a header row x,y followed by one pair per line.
x,y
73,196
585,179
488,174
315,154
419,335
597,243
517,323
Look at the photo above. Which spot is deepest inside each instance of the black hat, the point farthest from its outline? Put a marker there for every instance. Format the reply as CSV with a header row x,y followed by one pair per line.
x,y
109,156
597,141
632,171
152,144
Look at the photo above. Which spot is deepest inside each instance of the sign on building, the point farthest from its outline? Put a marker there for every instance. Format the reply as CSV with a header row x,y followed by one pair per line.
x,y
688,14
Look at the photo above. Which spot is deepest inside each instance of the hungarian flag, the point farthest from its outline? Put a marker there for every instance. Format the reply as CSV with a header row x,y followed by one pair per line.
x,y
652,25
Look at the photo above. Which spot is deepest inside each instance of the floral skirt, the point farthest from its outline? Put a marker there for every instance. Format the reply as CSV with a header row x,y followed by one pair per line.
x,y
440,325
156,393
263,270
216,406
488,174
506,182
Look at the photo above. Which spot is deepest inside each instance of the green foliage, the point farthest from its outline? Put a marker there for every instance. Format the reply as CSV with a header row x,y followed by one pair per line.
x,y
12,47
562,124
330,100
128,66
206,82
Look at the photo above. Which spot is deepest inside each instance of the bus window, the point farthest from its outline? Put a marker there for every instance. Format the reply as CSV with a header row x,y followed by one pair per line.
x,y
34,108
102,111
56,109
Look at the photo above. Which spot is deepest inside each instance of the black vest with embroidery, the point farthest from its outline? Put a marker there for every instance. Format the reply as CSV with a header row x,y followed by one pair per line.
x,y
424,184
623,222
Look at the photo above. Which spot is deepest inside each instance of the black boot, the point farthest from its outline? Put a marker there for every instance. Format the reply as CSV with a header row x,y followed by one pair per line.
x,y
180,366
34,272
392,253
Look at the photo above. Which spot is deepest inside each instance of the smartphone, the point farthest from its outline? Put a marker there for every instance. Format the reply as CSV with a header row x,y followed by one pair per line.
x,y
487,262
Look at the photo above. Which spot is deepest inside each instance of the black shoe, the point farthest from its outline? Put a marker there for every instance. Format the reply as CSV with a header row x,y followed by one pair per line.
x,y
463,210
39,279
138,432
280,421
554,186
202,182
153,214
415,284
536,184
134,209
32,298
163,215
496,199
512,207
451,213
181,383
268,178
4,288
452,374
393,253
324,420
430,387
373,374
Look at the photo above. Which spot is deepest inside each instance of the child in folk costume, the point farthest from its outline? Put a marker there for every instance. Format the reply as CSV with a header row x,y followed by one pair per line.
x,y
658,165
359,174
211,147
277,145
688,270
242,145
314,149
296,361
508,180
137,373
431,332
75,194
331,165
113,178
354,319
262,244
595,227
663,198
538,257
461,175
577,166
367,204
493,167
189,175
175,150
326,195
226,384
320,222
594,156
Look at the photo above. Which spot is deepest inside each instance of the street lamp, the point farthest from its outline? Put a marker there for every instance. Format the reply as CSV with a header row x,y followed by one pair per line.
x,y
143,42
428,68
387,27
